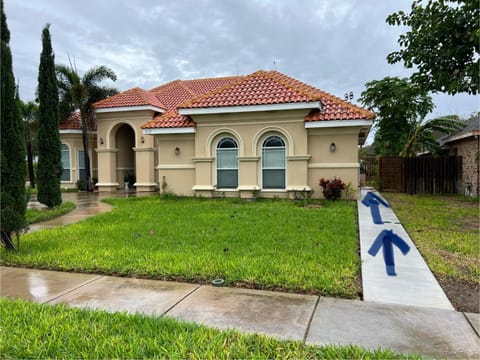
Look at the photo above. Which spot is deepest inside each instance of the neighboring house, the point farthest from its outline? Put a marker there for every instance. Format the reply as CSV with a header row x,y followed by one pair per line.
x,y
465,143
262,133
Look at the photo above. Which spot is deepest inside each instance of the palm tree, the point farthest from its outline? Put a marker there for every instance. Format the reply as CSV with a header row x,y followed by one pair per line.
x,y
79,93
29,112
422,137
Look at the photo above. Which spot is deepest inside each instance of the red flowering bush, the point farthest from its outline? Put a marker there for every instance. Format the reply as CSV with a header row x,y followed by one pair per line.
x,y
332,189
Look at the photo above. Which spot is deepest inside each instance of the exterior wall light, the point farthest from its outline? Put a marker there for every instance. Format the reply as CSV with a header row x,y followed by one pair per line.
x,y
177,151
142,139
101,141
333,147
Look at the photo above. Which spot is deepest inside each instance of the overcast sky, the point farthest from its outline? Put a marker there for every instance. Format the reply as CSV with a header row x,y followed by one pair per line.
x,y
335,45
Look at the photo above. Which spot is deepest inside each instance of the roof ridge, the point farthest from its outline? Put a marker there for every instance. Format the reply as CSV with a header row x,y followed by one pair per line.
x,y
331,97
100,102
214,78
277,77
183,85
145,95
166,84
215,91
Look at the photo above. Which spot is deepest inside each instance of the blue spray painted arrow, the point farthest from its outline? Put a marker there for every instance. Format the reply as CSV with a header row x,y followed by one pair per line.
x,y
373,200
387,238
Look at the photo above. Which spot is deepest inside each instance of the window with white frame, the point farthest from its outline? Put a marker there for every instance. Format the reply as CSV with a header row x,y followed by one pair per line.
x,y
82,174
273,163
65,163
227,164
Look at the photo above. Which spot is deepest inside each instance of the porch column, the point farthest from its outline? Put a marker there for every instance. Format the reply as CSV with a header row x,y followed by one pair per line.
x,y
107,170
145,169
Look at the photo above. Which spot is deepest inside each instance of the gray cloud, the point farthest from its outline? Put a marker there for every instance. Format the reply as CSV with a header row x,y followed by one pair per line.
x,y
336,45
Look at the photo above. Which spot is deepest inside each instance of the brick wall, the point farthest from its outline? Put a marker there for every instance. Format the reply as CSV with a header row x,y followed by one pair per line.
x,y
468,149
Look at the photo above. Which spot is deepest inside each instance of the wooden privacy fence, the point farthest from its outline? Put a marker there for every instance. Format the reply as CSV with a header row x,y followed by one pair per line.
x,y
426,174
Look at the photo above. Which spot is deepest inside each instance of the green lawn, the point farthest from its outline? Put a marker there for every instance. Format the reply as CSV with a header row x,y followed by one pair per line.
x,y
445,229
267,244
38,215
32,331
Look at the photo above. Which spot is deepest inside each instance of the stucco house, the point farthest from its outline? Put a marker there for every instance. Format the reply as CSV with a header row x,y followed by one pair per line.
x,y
263,133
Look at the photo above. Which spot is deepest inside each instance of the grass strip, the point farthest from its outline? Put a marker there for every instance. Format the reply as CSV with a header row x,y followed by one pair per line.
x,y
32,331
445,229
39,215
267,244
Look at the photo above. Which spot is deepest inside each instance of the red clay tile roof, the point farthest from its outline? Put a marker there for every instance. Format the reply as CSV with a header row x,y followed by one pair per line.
x,y
169,119
261,87
74,122
132,97
272,87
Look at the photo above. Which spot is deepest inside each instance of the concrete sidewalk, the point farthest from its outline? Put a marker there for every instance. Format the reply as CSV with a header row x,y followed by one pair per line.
x,y
414,283
316,320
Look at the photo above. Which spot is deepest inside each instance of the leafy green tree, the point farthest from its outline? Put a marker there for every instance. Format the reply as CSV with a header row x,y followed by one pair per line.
x,y
423,134
50,167
29,112
12,151
398,104
79,93
442,44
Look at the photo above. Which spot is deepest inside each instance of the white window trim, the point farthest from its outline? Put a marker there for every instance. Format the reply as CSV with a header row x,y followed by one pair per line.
x,y
216,164
70,161
261,162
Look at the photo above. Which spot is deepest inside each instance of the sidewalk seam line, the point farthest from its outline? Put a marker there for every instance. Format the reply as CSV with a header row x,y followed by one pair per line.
x,y
74,289
471,325
183,298
311,319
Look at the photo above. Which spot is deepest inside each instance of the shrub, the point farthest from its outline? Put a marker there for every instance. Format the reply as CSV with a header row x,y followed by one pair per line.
x,y
81,184
332,189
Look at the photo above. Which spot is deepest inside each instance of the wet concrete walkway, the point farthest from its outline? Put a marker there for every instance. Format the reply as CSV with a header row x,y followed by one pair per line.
x,y
87,204
316,320
413,283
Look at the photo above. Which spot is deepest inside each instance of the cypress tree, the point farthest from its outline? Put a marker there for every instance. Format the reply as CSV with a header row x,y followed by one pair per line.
x,y
12,152
49,169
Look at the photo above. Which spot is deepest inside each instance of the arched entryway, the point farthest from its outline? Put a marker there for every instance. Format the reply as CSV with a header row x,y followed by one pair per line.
x,y
125,164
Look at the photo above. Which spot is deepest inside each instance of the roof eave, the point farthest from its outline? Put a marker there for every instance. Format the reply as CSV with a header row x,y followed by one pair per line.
x,y
129,108
250,108
457,137
364,124
165,131
338,123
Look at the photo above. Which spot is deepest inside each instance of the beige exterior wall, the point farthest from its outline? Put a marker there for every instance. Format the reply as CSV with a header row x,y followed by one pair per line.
x,y
175,169
123,149
185,164
343,162
73,139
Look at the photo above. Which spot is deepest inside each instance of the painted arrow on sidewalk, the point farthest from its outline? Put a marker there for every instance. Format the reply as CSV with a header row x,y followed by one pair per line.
x,y
387,238
372,201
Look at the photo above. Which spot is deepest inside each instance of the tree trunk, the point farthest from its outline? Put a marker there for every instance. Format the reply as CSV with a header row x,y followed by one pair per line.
x,y
86,156
31,172
6,239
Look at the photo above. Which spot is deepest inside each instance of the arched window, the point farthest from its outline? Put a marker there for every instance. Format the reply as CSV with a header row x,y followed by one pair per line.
x,y
227,164
65,163
273,163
